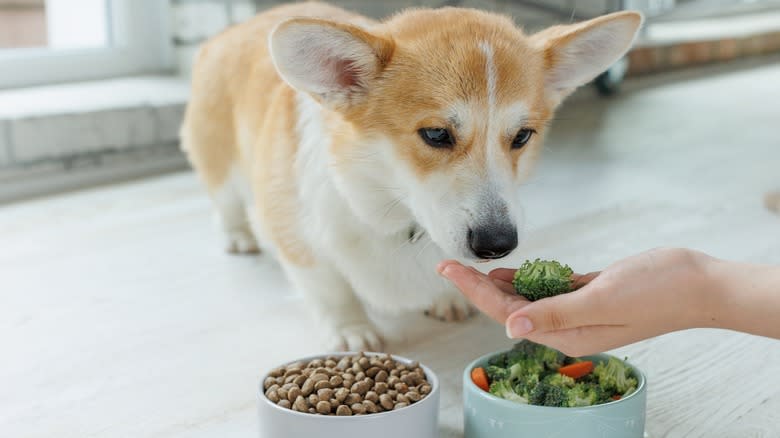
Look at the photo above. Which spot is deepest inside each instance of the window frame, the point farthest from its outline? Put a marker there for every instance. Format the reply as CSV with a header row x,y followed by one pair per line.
x,y
130,52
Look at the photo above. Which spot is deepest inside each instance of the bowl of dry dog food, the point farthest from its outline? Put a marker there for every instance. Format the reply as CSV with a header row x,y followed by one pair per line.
x,y
349,395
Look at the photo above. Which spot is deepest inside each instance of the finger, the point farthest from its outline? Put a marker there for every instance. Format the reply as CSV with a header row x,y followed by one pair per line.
x,y
580,280
505,286
571,310
503,274
482,292
583,341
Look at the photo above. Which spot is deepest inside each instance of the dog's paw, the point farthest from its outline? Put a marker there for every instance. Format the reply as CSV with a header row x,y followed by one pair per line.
x,y
241,242
451,308
358,337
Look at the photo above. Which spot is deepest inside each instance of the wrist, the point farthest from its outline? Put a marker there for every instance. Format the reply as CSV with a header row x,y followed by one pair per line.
x,y
710,290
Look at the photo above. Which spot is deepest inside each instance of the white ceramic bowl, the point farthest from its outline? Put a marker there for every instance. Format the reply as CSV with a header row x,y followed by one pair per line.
x,y
419,420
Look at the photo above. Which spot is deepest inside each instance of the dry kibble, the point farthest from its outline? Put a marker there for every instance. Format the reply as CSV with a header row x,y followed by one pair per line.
x,y
318,377
353,398
386,401
292,371
308,387
372,372
321,385
323,407
325,393
358,408
350,385
300,404
336,381
413,396
370,407
299,380
293,393
272,395
341,394
360,388
381,388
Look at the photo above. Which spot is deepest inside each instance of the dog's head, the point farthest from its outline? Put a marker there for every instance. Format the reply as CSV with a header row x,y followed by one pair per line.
x,y
445,112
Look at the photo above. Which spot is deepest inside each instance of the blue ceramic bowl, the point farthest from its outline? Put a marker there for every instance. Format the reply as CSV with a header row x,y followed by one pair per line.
x,y
488,416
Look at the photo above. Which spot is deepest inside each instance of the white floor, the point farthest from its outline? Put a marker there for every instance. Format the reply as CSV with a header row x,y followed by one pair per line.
x,y
120,316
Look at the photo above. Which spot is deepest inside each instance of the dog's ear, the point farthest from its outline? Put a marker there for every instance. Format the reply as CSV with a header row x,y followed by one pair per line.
x,y
577,53
334,62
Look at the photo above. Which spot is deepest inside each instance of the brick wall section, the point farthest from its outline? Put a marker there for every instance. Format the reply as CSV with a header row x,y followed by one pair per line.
x,y
646,60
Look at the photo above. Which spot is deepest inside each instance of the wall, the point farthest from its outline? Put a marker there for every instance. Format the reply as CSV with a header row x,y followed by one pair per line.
x,y
196,20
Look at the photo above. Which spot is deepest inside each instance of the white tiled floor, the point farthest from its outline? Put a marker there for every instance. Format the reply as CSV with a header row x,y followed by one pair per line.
x,y
121,316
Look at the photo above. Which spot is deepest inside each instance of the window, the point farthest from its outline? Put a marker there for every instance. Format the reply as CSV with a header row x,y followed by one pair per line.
x,y
45,41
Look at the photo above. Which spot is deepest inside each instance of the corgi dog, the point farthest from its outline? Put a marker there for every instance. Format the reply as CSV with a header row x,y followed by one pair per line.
x,y
361,153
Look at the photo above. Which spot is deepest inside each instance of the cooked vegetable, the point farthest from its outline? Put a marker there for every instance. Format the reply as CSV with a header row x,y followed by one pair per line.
x,y
532,373
577,370
541,279
480,378
615,377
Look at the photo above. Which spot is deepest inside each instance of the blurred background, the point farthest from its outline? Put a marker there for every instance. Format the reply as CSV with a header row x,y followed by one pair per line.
x,y
121,315
52,137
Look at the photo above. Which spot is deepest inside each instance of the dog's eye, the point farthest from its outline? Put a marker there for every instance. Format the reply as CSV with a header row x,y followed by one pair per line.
x,y
437,137
522,138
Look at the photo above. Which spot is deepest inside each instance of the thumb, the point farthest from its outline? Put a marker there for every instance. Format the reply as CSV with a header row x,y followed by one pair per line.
x,y
561,312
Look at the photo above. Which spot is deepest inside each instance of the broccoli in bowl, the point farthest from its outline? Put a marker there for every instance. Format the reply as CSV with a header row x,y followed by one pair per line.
x,y
533,374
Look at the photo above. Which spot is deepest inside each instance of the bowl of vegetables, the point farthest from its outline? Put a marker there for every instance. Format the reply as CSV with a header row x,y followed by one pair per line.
x,y
535,391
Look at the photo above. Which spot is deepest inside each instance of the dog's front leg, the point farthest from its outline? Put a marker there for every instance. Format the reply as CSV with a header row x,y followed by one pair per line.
x,y
337,310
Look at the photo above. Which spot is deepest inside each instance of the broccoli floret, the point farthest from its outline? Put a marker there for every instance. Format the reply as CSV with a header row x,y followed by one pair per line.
x,y
614,376
496,373
526,384
552,359
503,389
541,279
584,395
545,394
560,380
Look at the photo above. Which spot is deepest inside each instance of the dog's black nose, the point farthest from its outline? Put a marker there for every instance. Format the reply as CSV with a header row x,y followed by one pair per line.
x,y
492,242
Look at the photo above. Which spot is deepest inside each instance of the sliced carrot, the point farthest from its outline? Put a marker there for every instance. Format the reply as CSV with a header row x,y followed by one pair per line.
x,y
480,378
577,370
616,397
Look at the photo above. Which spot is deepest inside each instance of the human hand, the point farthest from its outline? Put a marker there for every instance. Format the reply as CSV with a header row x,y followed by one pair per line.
x,y
636,298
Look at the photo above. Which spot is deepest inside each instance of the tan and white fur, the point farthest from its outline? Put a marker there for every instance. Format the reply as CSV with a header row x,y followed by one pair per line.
x,y
307,126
